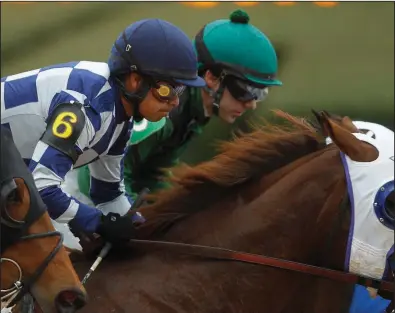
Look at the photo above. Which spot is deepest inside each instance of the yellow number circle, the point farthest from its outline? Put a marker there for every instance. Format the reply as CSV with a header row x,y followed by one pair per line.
x,y
61,121
164,91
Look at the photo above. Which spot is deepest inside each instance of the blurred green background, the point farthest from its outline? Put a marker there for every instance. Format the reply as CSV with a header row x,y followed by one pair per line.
x,y
339,58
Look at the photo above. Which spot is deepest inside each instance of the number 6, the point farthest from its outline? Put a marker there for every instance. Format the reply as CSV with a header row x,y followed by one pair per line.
x,y
60,120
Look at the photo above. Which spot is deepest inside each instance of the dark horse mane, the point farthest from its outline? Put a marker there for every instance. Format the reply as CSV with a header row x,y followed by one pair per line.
x,y
248,157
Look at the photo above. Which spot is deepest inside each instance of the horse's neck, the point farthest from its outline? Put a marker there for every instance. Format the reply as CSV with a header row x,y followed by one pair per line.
x,y
287,220
264,219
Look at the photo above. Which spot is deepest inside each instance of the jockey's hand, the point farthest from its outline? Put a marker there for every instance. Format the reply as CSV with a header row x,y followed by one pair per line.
x,y
115,228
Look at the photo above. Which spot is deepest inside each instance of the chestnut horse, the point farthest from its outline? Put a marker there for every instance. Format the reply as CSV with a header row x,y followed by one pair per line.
x,y
278,191
33,258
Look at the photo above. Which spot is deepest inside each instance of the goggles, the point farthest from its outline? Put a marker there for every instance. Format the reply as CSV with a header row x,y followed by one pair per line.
x,y
166,92
244,92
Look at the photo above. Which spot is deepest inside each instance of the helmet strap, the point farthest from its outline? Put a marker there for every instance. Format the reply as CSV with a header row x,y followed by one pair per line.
x,y
217,95
135,98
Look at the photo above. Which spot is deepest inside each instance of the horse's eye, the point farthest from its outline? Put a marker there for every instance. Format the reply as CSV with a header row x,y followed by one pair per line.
x,y
17,202
13,197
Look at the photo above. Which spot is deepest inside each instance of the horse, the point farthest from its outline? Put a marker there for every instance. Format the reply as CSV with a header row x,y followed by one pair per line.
x,y
33,259
277,194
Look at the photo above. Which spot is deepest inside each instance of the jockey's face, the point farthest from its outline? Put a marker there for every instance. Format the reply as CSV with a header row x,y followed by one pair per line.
x,y
230,107
158,102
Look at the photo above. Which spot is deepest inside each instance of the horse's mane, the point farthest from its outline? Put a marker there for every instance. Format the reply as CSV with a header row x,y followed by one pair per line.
x,y
267,148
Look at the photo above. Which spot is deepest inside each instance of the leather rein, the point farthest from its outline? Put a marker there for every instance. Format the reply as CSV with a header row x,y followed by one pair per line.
x,y
232,255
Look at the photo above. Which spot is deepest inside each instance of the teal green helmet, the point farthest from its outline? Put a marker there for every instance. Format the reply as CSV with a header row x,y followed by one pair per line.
x,y
239,48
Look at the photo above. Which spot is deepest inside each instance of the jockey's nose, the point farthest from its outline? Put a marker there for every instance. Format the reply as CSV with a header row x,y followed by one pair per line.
x,y
174,102
70,300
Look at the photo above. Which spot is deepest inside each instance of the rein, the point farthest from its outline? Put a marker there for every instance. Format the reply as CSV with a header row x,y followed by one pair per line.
x,y
232,255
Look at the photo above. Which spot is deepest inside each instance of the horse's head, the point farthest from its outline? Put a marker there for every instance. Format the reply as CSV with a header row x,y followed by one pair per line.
x,y
33,259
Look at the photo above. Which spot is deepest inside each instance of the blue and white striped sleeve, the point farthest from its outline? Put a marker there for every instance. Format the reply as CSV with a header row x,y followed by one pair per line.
x,y
107,190
49,167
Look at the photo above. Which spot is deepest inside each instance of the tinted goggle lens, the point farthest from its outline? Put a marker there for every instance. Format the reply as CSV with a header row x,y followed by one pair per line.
x,y
164,91
243,92
259,94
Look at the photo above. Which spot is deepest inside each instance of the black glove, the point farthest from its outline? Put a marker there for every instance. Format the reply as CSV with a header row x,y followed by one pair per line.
x,y
115,228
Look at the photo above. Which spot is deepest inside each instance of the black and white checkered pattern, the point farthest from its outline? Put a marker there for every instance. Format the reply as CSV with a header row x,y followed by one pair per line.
x,y
27,99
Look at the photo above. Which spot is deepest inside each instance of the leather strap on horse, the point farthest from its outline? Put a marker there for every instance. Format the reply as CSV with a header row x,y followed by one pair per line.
x,y
231,255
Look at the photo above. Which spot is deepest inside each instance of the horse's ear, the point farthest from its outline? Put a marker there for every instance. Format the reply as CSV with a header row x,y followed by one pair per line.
x,y
318,123
345,122
356,149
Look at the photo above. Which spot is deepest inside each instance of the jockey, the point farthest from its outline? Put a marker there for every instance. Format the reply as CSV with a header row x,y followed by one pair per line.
x,y
238,63
68,115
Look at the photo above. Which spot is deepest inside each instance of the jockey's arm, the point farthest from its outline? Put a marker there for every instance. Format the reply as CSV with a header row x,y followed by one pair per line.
x,y
106,182
68,132
145,160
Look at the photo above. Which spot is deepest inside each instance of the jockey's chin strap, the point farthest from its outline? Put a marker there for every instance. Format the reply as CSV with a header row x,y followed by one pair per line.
x,y
134,98
217,95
